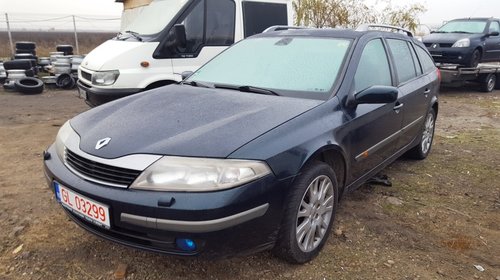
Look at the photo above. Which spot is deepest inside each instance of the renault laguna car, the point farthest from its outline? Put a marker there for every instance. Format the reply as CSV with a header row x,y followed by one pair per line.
x,y
254,150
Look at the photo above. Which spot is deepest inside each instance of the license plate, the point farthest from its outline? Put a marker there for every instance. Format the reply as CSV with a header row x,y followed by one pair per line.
x,y
88,209
82,94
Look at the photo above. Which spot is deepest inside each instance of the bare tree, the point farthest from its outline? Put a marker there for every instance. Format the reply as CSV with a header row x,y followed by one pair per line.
x,y
351,13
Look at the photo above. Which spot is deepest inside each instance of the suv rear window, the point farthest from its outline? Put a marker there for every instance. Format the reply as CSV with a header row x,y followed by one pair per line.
x,y
258,16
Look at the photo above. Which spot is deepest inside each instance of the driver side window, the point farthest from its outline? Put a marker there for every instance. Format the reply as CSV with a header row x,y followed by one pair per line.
x,y
494,27
194,24
373,68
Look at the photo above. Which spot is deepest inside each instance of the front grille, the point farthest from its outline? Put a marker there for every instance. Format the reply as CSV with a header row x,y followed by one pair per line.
x,y
426,44
442,45
99,172
87,76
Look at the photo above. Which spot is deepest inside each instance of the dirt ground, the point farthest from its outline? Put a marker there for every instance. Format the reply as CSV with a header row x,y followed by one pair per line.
x,y
440,218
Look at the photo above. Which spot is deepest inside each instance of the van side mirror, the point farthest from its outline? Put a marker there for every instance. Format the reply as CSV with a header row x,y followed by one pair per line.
x,y
180,35
377,95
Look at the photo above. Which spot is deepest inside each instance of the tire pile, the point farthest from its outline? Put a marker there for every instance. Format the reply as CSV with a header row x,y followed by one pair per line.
x,y
21,73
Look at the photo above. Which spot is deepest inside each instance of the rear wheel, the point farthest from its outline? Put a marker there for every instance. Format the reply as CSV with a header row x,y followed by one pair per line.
x,y
422,150
309,214
488,83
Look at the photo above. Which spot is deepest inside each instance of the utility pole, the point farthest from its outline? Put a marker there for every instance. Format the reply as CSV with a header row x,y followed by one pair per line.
x,y
76,36
10,35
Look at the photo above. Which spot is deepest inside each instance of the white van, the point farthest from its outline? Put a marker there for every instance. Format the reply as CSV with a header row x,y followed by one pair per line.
x,y
170,37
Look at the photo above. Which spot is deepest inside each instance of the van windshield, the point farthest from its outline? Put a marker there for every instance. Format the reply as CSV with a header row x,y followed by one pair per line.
x,y
463,26
304,67
153,18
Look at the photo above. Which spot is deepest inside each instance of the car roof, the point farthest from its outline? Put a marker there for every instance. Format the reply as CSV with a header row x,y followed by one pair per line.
x,y
335,33
477,18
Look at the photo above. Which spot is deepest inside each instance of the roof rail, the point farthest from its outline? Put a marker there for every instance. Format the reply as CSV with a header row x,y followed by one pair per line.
x,y
282,27
367,27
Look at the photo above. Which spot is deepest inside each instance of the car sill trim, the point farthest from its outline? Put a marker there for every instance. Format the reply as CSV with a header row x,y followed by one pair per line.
x,y
195,226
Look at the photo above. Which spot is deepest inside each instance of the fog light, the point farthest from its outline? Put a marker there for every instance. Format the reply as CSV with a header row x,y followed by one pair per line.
x,y
185,244
459,57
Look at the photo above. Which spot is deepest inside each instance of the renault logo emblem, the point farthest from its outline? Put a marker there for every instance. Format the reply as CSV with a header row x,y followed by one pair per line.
x,y
434,46
101,143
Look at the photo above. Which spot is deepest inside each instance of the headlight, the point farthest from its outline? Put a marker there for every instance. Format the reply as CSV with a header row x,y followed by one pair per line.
x,y
105,78
462,43
61,138
199,174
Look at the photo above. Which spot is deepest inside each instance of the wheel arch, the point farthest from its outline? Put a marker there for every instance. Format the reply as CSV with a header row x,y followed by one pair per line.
x,y
335,157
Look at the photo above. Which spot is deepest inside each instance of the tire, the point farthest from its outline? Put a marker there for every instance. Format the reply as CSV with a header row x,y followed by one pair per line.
x,y
475,58
21,64
65,81
19,51
25,45
29,85
299,249
488,83
422,150
67,49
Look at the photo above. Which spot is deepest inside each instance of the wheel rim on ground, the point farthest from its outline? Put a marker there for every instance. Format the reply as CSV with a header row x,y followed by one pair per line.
x,y
314,213
428,133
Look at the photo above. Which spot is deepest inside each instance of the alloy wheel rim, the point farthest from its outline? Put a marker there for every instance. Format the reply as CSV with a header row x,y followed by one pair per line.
x,y
428,134
491,84
314,213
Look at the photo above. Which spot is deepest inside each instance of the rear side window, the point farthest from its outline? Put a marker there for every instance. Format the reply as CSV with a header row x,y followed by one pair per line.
x,y
403,60
418,66
425,60
373,68
258,16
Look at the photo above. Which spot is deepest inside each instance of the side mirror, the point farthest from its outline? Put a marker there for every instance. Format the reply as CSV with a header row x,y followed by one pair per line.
x,y
186,74
377,95
494,33
176,38
180,35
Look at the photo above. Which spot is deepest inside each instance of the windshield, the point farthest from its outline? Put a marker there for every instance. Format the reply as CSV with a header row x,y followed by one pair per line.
x,y
153,18
463,26
297,67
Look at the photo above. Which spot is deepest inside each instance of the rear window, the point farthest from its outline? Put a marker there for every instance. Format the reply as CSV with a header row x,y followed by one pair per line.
x,y
425,60
258,16
403,60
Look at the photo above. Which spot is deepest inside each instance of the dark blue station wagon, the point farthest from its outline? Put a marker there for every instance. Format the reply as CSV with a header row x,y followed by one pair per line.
x,y
254,150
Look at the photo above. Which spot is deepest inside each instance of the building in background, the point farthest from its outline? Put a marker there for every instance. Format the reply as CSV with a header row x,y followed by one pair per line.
x,y
131,9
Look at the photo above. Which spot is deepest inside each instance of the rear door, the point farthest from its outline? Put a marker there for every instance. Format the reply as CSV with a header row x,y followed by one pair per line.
x,y
414,88
374,127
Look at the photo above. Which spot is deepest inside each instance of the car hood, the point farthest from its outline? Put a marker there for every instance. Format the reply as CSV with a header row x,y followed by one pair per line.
x,y
184,121
448,38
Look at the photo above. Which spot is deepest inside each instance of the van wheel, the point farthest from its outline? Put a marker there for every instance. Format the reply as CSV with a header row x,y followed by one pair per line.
x,y
422,150
488,83
309,214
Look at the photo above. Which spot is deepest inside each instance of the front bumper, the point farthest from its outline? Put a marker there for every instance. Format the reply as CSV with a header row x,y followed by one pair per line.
x,y
97,96
460,56
229,222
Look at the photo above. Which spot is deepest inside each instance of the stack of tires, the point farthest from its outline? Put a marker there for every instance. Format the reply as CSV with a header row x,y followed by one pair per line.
x,y
26,47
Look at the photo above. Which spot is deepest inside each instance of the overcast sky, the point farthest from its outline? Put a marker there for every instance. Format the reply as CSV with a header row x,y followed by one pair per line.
x,y
22,11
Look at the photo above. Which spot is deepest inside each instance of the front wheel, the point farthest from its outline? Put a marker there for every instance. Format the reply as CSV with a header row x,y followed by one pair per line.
x,y
309,214
489,82
422,150
475,59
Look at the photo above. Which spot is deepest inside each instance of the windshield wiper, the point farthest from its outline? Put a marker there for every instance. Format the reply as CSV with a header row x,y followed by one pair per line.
x,y
197,84
132,33
438,31
459,31
253,89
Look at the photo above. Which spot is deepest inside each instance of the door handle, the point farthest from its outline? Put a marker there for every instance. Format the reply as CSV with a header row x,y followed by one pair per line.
x,y
427,91
398,107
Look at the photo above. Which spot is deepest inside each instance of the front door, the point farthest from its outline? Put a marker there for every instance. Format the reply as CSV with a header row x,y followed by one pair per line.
x,y
492,43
